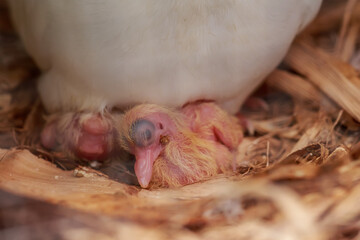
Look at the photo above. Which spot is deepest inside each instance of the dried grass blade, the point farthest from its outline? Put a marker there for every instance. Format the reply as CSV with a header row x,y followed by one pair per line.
x,y
349,9
330,18
294,85
328,74
349,43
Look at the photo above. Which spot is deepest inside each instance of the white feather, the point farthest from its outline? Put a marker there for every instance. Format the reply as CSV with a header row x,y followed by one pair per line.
x,y
97,53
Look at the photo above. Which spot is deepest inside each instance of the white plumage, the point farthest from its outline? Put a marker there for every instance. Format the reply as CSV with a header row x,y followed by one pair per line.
x,y
103,53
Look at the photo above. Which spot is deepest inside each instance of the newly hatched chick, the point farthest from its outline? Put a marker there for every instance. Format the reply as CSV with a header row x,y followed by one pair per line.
x,y
175,148
99,54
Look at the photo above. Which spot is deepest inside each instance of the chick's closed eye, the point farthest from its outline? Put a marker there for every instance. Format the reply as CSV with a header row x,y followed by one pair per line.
x,y
142,132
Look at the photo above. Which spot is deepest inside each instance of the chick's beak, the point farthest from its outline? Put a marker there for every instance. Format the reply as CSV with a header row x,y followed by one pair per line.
x,y
145,159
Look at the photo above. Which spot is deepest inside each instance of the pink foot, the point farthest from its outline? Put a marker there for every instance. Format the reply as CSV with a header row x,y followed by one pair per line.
x,y
256,103
87,136
246,124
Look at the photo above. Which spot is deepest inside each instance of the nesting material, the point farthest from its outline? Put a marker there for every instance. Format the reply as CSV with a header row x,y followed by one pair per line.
x,y
334,77
297,171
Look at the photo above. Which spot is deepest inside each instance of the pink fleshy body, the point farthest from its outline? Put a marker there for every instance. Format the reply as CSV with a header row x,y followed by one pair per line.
x,y
200,142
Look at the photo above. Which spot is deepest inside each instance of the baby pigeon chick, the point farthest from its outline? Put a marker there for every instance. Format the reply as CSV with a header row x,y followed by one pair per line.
x,y
174,148
98,54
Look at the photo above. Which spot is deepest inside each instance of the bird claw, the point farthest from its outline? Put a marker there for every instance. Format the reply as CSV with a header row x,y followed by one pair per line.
x,y
85,136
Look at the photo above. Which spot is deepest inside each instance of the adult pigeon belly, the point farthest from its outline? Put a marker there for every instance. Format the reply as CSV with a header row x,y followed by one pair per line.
x,y
96,54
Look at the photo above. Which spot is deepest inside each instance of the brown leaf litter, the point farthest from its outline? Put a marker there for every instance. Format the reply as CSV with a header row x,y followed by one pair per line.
x,y
298,168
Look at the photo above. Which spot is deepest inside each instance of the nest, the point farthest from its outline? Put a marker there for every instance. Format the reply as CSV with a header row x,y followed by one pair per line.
x,y
298,169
